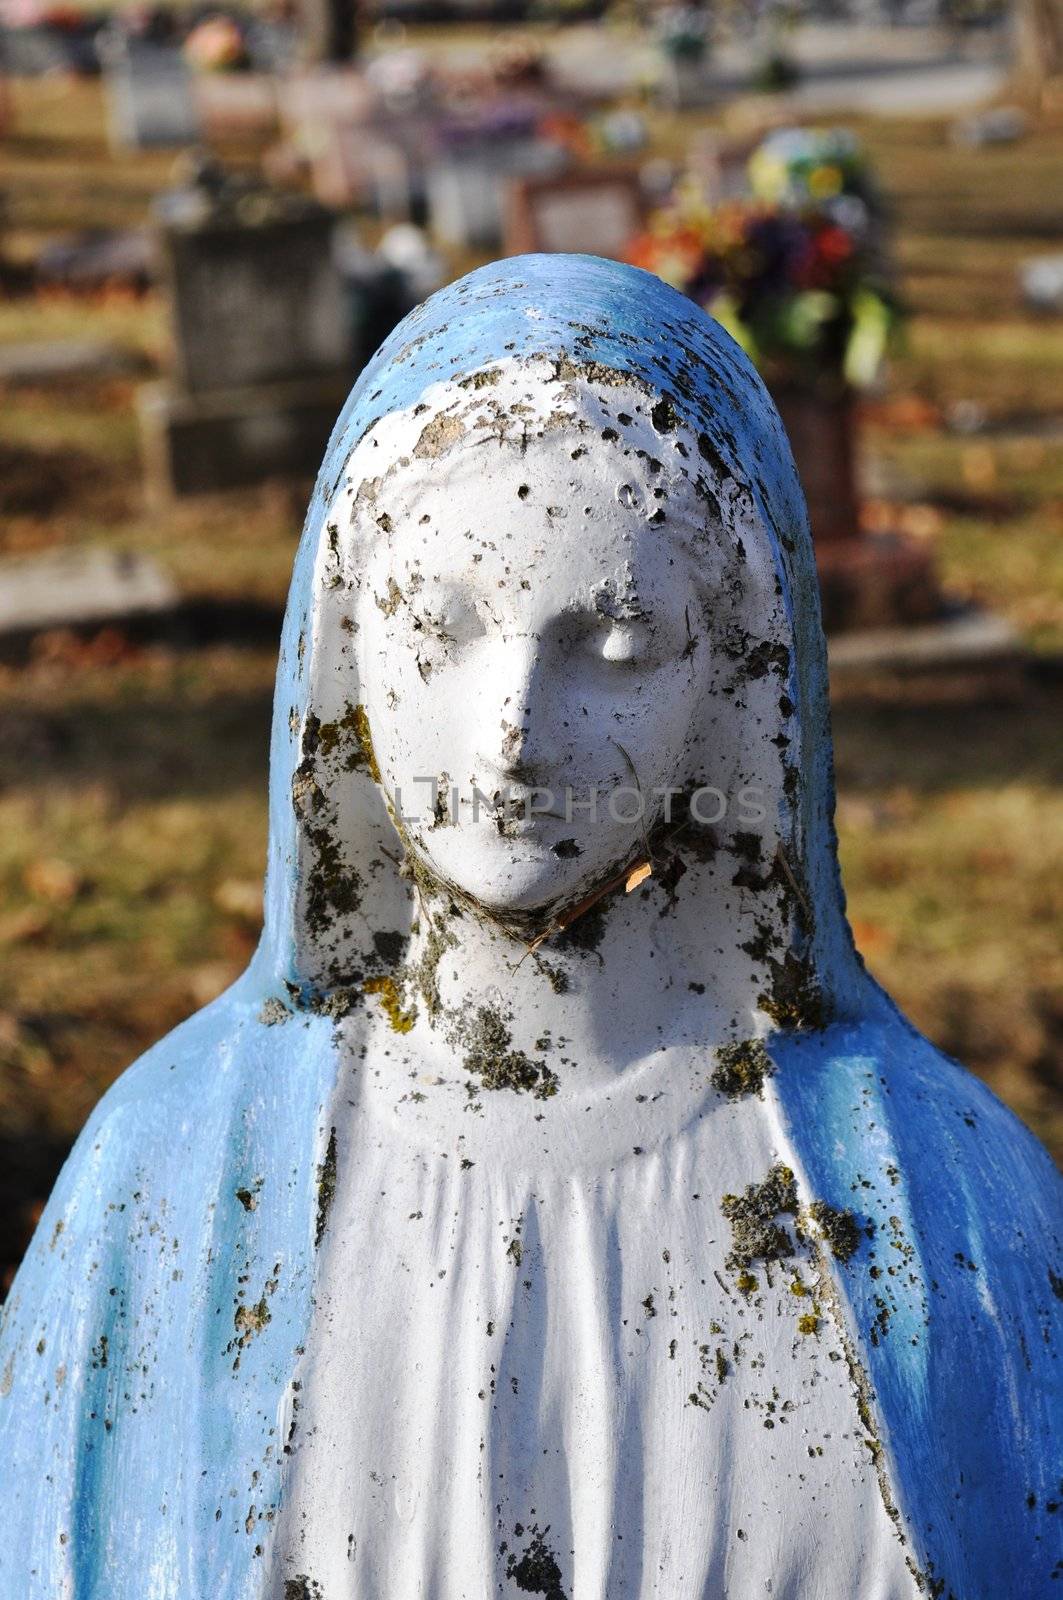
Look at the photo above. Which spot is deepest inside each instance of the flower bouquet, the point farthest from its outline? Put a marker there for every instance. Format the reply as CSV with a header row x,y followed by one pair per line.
x,y
801,290
797,274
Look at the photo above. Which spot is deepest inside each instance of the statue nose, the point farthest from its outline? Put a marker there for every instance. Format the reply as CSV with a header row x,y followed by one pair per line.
x,y
515,760
513,745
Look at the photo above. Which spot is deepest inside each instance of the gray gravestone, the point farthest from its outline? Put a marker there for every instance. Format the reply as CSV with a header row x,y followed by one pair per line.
x,y
466,186
256,302
81,589
151,100
262,336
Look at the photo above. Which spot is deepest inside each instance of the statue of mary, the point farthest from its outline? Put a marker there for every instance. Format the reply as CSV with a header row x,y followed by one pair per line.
x,y
555,1206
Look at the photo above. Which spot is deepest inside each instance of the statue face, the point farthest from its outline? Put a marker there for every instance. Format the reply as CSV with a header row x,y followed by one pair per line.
x,y
530,635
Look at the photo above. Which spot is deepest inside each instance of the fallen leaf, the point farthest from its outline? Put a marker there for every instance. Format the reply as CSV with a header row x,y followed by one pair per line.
x,y
637,875
52,879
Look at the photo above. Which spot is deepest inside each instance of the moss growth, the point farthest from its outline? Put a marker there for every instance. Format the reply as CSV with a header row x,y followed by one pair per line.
x,y
809,1323
794,999
755,1235
489,1057
536,1571
481,380
360,724
767,656
839,1228
346,737
395,595
336,1004
585,932
333,888
390,945
326,1187
556,977
391,1001
250,1320
423,974
273,1011
741,1069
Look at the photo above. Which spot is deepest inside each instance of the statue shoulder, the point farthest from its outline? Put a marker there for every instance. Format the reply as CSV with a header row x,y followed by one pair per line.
x,y
138,1129
174,1260
955,1296
881,1092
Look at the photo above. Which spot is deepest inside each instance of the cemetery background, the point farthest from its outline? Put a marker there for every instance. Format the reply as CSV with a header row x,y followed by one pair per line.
x,y
133,769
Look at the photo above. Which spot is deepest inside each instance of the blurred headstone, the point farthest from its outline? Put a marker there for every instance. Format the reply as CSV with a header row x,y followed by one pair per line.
x,y
866,580
357,153
230,438
717,163
466,182
964,654
263,348
998,125
97,258
682,36
595,211
271,321
382,285
316,95
56,360
1041,279
255,293
80,589
151,100
328,29
377,169
30,51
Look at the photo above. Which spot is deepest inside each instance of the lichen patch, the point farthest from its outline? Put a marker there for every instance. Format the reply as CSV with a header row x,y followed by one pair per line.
x,y
741,1069
755,1234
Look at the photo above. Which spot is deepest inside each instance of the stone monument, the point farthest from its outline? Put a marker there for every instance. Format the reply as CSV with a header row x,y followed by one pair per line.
x,y
151,99
555,1206
262,337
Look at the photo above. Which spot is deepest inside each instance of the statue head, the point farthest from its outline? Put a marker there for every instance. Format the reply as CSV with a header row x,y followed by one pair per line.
x,y
555,608
567,623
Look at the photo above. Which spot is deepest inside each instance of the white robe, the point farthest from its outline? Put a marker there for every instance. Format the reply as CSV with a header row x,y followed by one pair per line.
x,y
551,1382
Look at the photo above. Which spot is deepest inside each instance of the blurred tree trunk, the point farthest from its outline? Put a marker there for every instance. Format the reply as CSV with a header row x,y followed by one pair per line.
x,y
1038,40
328,29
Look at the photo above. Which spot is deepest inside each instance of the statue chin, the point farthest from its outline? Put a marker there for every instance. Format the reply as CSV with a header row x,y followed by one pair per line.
x,y
524,876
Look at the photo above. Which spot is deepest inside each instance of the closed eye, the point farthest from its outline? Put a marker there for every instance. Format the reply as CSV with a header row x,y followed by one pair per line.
x,y
456,621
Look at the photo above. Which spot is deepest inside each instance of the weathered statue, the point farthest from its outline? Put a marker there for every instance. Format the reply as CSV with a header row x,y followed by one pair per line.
x,y
555,1206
